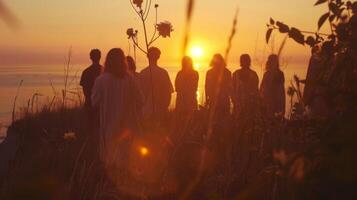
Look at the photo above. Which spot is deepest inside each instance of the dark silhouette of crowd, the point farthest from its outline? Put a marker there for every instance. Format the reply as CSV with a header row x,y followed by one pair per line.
x,y
125,99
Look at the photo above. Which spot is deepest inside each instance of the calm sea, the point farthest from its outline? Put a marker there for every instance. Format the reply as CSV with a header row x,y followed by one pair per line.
x,y
45,80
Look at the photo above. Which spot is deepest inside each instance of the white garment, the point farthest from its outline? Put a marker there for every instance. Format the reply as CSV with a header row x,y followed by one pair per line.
x,y
117,99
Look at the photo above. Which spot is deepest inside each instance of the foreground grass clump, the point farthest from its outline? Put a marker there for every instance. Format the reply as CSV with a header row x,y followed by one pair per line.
x,y
253,158
45,157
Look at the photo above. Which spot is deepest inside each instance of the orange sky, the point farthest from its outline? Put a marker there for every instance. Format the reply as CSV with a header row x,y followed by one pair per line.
x,y
49,27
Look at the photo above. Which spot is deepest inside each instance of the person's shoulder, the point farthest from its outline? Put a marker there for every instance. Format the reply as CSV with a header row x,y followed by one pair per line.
x,y
196,73
227,71
104,75
281,72
101,78
237,72
179,73
130,77
144,71
210,71
162,70
86,70
253,72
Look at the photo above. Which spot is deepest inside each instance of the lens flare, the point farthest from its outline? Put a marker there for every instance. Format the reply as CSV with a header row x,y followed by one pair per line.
x,y
143,151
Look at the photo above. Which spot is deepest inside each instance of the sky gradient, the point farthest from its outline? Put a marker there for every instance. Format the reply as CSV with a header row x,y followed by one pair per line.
x,y
49,28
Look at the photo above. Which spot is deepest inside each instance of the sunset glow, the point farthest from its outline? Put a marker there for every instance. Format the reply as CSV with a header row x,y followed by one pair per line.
x,y
196,52
178,99
38,41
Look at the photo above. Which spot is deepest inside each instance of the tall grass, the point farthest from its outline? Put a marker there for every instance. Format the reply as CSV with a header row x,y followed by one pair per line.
x,y
15,100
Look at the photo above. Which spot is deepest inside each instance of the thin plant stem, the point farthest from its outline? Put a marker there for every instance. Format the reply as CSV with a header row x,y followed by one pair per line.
x,y
14,105
157,37
145,31
148,11
155,30
137,45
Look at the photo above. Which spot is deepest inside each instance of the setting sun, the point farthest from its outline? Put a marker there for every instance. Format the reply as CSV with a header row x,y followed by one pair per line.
x,y
196,52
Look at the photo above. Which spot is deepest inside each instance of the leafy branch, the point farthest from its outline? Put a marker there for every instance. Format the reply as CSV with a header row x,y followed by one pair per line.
x,y
339,13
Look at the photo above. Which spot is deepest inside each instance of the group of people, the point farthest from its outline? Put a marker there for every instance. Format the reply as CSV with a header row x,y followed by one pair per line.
x,y
123,98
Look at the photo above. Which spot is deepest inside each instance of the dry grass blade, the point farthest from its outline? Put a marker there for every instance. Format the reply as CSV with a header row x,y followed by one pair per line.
x,y
14,105
189,12
281,48
233,33
9,18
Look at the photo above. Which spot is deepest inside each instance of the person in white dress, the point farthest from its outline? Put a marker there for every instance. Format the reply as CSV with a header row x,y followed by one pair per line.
x,y
117,95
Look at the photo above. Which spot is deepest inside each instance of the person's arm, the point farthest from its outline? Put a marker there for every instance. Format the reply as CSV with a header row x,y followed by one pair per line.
x,y
96,93
83,84
235,88
207,88
197,78
256,82
263,86
230,86
170,89
177,82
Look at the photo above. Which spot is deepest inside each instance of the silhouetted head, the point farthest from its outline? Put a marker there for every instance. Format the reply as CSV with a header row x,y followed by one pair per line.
x,y
245,61
95,55
187,63
153,55
218,61
273,62
116,63
131,64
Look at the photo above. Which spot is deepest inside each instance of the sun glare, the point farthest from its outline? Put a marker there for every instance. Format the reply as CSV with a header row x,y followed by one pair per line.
x,y
196,52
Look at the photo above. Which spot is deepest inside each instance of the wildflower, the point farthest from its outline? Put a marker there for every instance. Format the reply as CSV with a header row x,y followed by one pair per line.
x,y
138,3
131,33
164,29
70,136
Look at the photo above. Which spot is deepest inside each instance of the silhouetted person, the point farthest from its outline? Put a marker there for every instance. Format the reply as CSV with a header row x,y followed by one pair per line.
x,y
132,66
117,95
157,88
218,86
136,75
245,87
272,88
315,91
89,76
186,85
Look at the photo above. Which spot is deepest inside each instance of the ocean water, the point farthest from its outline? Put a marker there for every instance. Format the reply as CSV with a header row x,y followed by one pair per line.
x,y
48,80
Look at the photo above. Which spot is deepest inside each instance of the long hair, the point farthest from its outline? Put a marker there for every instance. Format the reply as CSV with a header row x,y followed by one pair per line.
x,y
187,64
218,61
273,62
131,64
116,63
